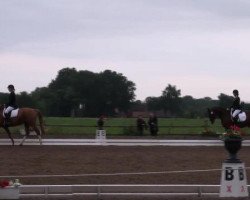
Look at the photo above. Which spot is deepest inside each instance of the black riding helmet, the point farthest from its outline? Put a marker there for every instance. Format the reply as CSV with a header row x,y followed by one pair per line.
x,y
11,87
236,92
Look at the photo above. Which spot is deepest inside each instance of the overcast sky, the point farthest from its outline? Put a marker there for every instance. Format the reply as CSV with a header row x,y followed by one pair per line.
x,y
201,46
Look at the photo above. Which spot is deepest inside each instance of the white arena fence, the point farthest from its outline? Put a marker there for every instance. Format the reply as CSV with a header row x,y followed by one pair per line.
x,y
121,142
117,189
99,191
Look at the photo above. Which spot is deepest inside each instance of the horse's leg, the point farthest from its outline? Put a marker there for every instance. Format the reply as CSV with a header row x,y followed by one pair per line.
x,y
9,134
38,134
27,132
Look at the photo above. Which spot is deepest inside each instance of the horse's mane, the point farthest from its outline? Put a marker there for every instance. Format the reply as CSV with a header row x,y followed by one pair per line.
x,y
218,109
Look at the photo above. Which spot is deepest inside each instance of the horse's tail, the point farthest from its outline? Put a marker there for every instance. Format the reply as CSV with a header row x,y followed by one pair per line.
x,y
40,116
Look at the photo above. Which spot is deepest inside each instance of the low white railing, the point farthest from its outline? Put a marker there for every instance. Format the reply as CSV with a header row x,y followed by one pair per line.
x,y
118,190
121,142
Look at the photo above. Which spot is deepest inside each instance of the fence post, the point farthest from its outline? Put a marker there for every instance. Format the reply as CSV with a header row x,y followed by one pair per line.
x,y
98,192
100,136
199,191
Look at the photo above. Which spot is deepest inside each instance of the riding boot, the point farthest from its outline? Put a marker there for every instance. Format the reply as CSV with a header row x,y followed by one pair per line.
x,y
6,120
235,120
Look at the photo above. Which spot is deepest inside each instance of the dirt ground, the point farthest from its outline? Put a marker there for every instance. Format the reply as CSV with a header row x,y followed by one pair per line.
x,y
61,160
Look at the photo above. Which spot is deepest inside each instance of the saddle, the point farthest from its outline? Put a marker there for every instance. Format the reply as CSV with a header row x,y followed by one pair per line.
x,y
13,113
242,117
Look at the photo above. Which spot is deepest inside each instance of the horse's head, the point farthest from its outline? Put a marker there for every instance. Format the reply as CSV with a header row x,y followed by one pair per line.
x,y
222,114
218,112
211,115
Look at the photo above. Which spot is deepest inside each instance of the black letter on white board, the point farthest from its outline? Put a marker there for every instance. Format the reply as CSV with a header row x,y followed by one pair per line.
x,y
241,174
229,174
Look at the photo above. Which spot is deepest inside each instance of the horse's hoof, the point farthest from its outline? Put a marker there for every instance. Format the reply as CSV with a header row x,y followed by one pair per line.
x,y
20,144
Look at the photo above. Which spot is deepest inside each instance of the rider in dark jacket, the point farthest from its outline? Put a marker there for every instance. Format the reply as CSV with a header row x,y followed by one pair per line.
x,y
100,123
10,105
141,125
236,107
153,124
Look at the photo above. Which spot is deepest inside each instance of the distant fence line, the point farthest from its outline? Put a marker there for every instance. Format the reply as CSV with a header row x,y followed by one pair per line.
x,y
124,126
128,129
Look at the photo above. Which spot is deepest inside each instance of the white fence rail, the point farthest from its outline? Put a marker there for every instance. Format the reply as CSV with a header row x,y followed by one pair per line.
x,y
121,142
117,190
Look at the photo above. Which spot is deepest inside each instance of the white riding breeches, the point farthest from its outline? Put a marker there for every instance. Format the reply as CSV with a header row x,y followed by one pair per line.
x,y
8,109
235,113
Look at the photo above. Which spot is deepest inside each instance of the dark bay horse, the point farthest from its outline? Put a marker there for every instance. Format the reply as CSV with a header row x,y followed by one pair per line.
x,y
225,116
26,116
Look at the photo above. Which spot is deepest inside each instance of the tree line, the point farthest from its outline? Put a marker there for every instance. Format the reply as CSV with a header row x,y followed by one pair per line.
x,y
87,94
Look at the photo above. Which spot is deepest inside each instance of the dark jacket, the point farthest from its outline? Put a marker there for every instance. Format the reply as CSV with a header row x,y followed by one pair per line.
x,y
153,122
140,123
100,123
153,125
236,104
12,100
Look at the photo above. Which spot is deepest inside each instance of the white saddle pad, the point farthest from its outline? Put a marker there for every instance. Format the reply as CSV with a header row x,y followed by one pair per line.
x,y
242,117
14,113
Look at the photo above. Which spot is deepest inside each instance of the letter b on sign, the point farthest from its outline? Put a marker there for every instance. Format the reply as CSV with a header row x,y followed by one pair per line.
x,y
241,173
229,174
233,180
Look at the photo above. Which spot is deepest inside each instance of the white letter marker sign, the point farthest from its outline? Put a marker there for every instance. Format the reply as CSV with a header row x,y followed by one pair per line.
x,y
233,180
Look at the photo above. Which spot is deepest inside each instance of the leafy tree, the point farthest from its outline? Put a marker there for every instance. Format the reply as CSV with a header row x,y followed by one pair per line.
x,y
44,100
116,92
109,93
171,100
138,105
188,107
153,103
99,93
25,100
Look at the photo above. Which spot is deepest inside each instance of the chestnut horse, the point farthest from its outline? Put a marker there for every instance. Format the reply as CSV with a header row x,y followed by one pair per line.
x,y
26,116
225,116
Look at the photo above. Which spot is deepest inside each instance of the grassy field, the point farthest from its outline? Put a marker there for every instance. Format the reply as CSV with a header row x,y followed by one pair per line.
x,y
126,126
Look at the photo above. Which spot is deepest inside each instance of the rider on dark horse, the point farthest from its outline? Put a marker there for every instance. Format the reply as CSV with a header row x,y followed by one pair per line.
x,y
11,105
236,107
